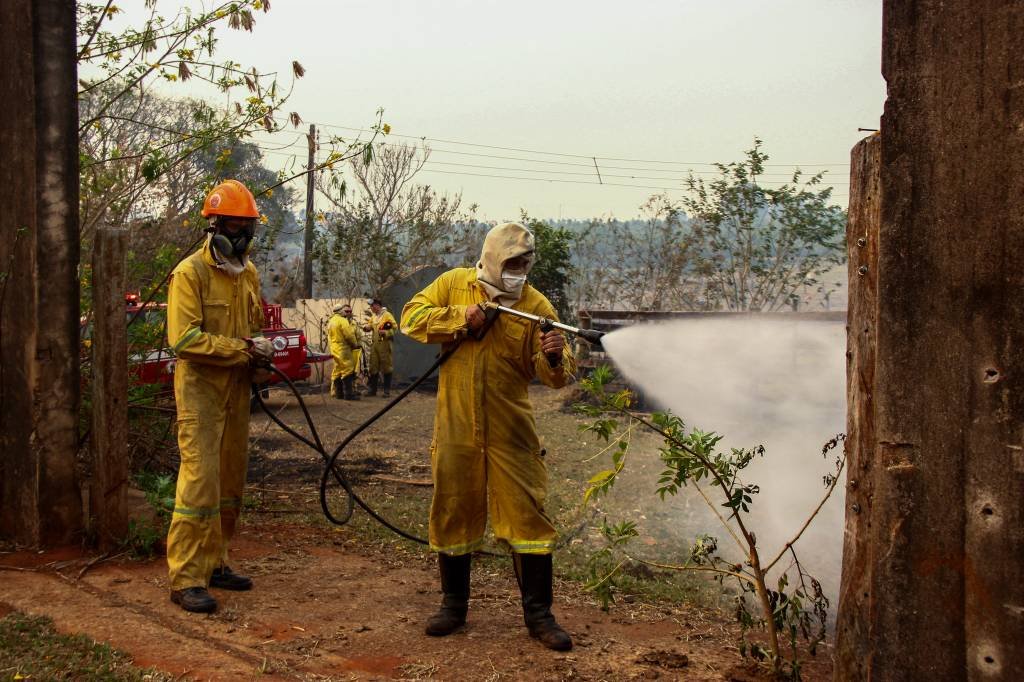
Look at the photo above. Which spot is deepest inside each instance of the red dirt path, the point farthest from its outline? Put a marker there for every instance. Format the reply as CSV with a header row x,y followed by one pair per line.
x,y
327,607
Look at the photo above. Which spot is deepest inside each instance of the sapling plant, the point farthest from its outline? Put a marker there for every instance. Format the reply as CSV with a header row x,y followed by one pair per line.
x,y
789,604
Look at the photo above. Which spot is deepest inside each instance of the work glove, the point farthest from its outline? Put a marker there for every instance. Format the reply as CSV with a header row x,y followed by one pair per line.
x,y
261,350
386,326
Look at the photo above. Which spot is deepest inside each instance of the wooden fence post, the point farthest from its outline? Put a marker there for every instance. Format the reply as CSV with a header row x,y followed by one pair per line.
x,y
853,631
109,388
933,584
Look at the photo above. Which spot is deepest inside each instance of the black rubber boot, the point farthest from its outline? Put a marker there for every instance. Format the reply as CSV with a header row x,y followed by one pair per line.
x,y
349,384
194,599
373,386
533,571
455,603
226,579
387,385
337,388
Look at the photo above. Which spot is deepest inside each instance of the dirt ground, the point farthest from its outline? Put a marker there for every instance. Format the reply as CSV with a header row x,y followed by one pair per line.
x,y
350,602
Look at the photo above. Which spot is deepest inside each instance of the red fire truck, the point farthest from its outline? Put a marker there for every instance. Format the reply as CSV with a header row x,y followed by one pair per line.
x,y
291,354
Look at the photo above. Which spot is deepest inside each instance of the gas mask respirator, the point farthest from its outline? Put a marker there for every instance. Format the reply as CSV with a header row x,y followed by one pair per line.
x,y
235,245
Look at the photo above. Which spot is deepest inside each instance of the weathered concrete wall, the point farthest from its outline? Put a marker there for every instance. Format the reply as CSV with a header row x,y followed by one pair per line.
x,y
936,551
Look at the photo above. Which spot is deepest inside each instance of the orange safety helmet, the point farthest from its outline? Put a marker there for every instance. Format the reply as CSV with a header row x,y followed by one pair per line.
x,y
230,198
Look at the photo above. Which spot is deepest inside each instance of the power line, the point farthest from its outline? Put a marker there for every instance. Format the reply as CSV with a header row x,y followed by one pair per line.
x,y
298,143
555,172
434,150
590,165
575,156
430,168
562,181
278,150
295,142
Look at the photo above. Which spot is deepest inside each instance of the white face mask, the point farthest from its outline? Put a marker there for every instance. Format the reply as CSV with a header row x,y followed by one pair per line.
x,y
511,281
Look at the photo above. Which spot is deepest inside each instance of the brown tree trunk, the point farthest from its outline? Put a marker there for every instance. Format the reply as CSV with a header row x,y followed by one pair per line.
x,y
40,502
933,584
19,492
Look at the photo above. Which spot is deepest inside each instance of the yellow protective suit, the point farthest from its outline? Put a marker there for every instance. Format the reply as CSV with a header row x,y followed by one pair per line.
x,y
485,451
209,314
380,342
343,339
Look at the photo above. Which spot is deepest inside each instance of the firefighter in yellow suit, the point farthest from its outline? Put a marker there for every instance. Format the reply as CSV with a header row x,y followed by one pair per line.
x,y
343,337
486,454
214,322
381,327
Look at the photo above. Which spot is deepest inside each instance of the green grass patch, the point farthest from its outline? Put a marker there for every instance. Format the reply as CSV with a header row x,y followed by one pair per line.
x,y
31,649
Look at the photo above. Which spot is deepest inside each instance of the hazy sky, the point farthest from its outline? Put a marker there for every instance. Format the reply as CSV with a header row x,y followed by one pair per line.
x,y
689,82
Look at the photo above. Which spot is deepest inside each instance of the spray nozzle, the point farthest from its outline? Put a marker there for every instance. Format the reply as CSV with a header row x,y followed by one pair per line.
x,y
592,336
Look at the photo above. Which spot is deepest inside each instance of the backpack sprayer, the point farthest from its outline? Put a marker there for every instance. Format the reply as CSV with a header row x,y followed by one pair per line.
x,y
491,312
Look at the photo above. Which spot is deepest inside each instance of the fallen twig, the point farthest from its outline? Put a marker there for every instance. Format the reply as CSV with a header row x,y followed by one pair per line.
x,y
407,481
98,560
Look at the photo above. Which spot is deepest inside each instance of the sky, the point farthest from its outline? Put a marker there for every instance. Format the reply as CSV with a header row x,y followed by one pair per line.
x,y
646,90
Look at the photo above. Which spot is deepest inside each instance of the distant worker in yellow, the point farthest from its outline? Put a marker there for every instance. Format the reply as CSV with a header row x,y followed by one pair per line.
x,y
359,355
381,327
343,337
486,454
214,322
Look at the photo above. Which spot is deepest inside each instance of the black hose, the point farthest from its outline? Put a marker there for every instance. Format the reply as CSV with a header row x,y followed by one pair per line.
x,y
362,427
318,446
330,461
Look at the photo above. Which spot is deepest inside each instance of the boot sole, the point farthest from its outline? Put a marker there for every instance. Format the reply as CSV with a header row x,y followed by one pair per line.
x,y
562,647
231,588
429,633
194,609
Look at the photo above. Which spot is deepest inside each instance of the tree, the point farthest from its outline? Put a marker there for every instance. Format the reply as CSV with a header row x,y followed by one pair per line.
x,y
644,264
137,151
552,268
146,160
389,227
756,247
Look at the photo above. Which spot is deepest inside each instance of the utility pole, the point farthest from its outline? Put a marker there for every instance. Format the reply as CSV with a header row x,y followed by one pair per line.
x,y
307,251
